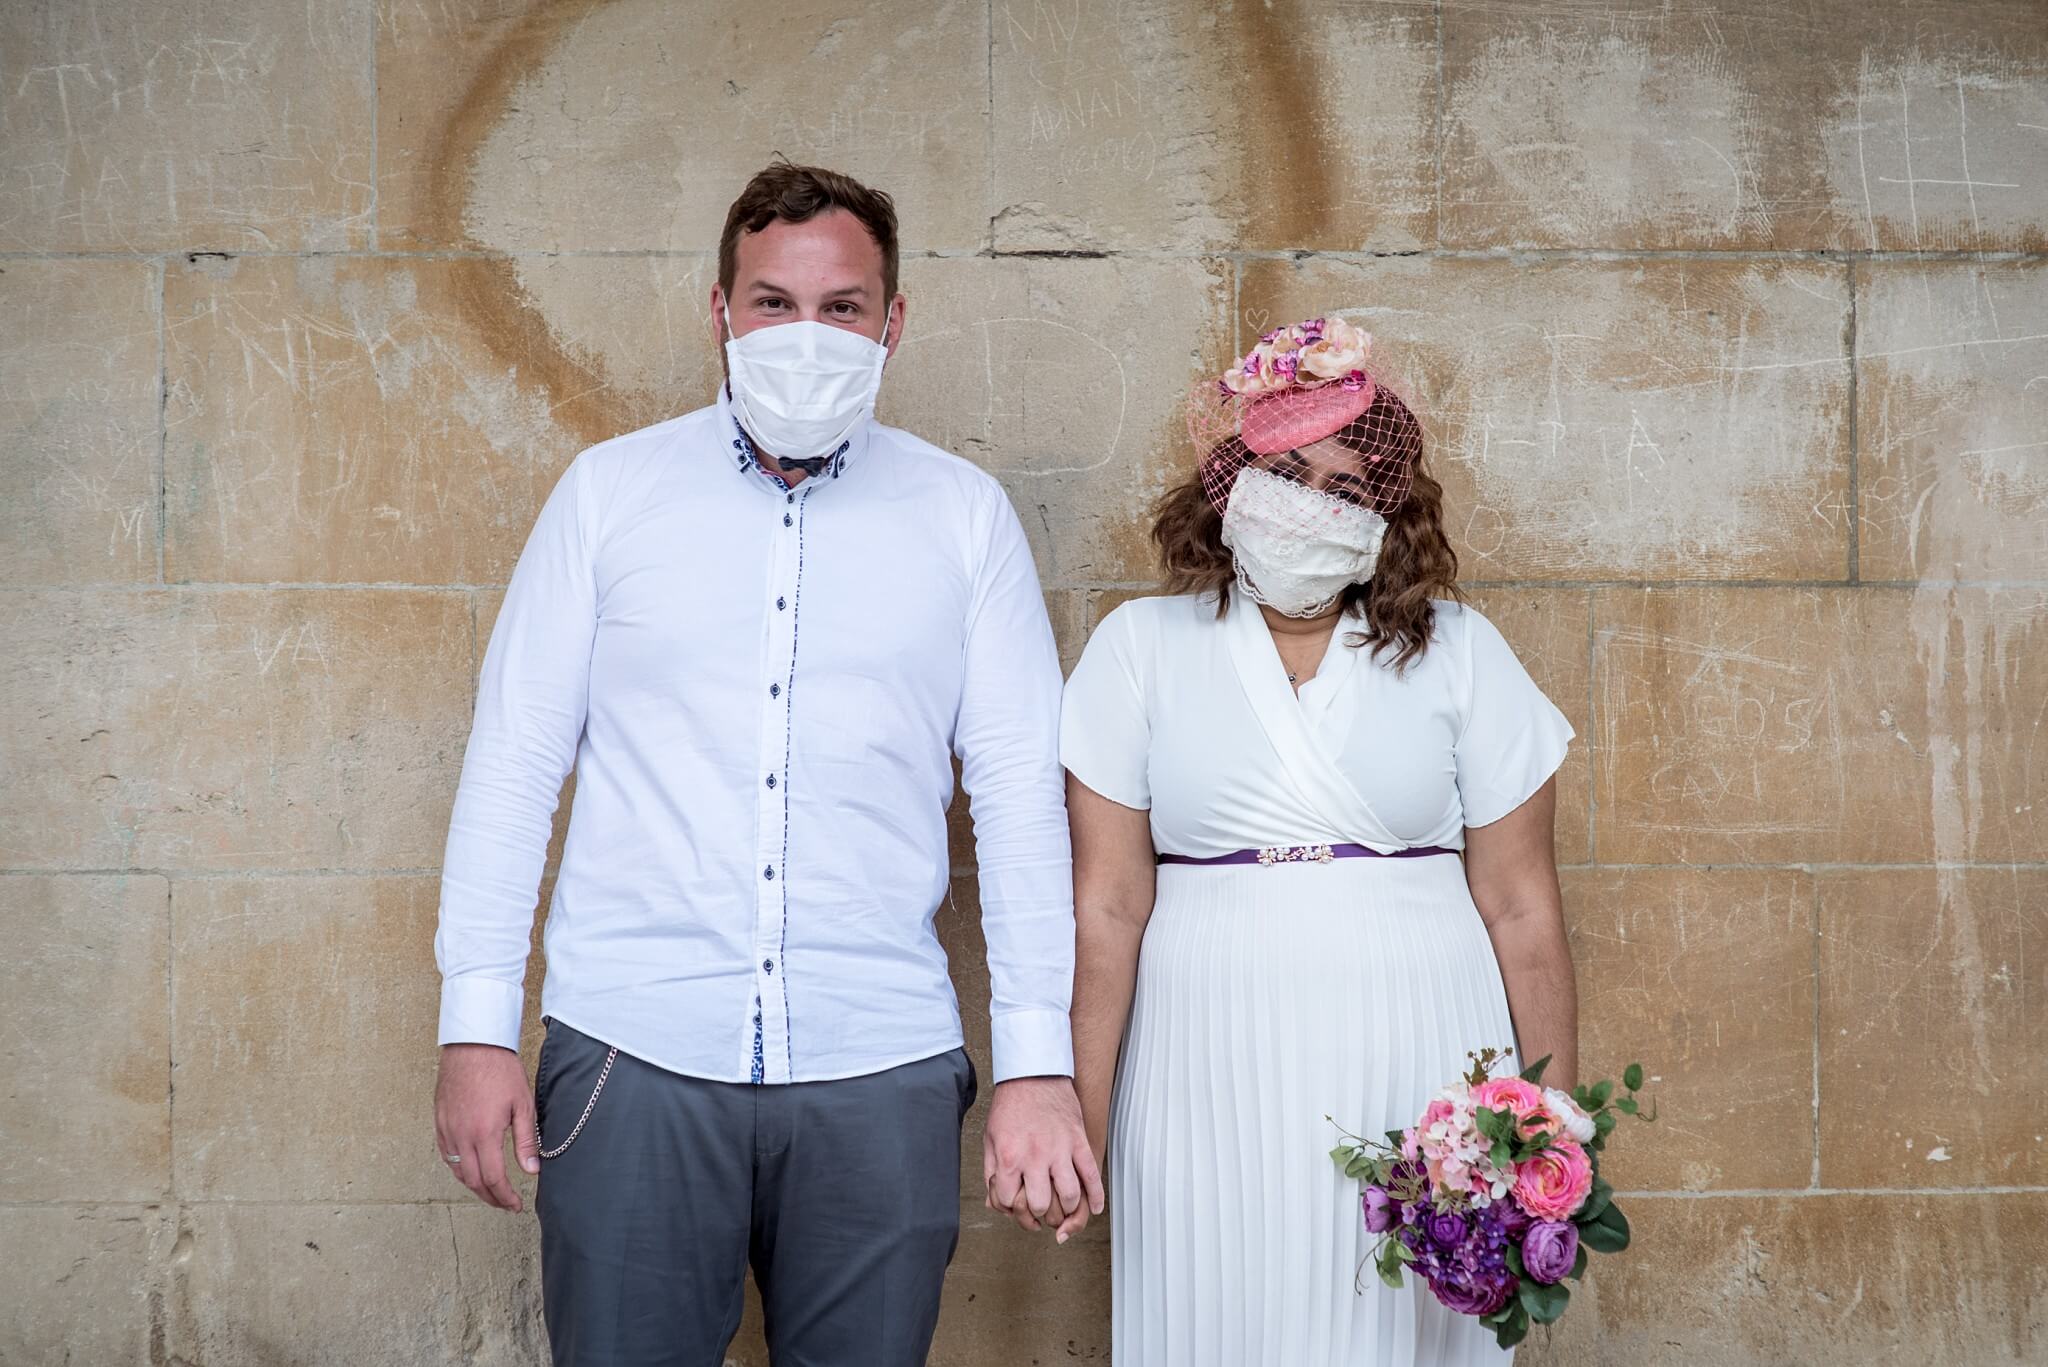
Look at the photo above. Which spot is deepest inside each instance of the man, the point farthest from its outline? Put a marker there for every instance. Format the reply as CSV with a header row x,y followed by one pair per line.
x,y
760,632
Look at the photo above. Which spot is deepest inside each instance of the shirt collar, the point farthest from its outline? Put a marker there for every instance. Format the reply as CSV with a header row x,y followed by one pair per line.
x,y
739,447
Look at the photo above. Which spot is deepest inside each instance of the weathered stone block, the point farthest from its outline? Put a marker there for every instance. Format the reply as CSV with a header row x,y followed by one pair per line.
x,y
1066,380
1705,977
1609,419
304,1037
1191,128
223,730
78,421
85,1052
632,125
1832,124
188,125
1739,1281
317,1285
1794,725
381,420
1550,632
80,1284
1951,408
1932,1043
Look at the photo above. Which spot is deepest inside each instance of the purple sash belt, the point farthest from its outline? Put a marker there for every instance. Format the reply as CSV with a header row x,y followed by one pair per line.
x,y
1306,854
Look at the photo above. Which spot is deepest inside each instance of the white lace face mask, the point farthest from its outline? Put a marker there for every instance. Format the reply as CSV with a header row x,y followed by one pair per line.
x,y
1298,549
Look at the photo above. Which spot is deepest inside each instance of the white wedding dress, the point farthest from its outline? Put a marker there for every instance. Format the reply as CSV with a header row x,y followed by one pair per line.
x,y
1270,997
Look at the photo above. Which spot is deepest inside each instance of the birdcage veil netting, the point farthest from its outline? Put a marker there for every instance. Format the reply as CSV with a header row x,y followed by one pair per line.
x,y
1358,447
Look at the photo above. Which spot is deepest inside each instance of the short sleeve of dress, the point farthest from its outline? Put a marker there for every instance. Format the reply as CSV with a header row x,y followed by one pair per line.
x,y
1105,738
1512,737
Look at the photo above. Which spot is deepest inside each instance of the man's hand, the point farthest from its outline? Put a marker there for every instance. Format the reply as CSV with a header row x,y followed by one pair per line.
x,y
482,1089
1035,1152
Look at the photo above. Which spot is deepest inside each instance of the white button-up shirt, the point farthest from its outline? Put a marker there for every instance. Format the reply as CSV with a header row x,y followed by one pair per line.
x,y
761,691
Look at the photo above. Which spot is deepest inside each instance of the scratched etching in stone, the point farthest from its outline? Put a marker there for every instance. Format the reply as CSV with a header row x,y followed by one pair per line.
x,y
1693,967
1747,124
1939,967
1594,420
78,397
1952,364
344,421
189,125
1160,125
1836,725
1064,379
230,730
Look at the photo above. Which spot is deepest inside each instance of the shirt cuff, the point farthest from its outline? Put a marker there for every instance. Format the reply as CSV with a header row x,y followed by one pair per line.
x,y
479,1010
1033,1044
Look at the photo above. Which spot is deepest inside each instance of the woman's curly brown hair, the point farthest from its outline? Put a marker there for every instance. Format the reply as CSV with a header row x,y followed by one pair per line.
x,y
1416,564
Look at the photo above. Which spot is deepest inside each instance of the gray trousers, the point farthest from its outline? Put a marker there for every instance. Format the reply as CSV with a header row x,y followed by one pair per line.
x,y
843,1196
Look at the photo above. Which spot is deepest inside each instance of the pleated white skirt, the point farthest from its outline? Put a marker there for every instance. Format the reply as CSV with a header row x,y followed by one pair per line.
x,y
1269,998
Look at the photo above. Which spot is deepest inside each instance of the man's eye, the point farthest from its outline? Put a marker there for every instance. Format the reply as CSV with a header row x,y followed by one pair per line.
x,y
770,304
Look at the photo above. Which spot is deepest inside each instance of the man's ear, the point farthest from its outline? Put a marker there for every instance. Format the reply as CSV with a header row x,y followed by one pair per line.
x,y
718,338
898,307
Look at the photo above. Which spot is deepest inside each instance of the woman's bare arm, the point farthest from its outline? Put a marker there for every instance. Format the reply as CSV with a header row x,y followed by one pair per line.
x,y
1113,887
1512,868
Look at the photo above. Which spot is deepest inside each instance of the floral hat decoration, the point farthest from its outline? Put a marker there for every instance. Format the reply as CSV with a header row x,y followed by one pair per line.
x,y
1305,404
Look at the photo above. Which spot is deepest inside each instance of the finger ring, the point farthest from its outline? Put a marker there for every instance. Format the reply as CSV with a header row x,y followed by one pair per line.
x,y
452,1157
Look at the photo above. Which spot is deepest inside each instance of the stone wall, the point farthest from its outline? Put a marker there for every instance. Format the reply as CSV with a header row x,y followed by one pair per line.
x,y
1730,325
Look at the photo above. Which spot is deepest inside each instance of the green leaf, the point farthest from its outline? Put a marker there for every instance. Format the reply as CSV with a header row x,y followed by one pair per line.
x,y
1534,1072
1578,1264
1596,1201
1603,1124
1359,1166
1391,1275
1632,1077
1394,1140
1501,1155
1403,1252
1601,1239
1515,1264
1513,1329
1544,1303
1606,1232
1627,1105
1342,1154
1602,1089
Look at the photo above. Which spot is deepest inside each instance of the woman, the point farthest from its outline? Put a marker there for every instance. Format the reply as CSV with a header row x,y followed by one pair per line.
x,y
1270,775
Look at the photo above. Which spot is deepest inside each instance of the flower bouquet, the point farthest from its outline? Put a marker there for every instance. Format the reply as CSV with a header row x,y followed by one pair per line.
x,y
1495,1194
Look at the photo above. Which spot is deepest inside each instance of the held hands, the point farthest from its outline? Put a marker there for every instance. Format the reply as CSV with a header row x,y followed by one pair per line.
x,y
481,1090
1035,1156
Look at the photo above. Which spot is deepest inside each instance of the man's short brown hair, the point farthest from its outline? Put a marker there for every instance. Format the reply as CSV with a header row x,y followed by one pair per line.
x,y
793,194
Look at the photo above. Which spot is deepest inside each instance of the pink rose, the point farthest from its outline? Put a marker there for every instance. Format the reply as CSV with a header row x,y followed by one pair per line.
x,y
1552,1184
1523,1099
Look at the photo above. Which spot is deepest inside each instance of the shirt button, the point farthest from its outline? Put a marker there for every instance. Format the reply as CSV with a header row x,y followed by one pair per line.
x,y
789,498
767,965
786,521
771,780
769,873
774,690
781,604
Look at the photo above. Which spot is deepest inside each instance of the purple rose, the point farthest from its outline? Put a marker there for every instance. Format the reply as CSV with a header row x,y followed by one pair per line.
x,y
1468,1296
1379,1210
1447,1229
1513,1218
1549,1250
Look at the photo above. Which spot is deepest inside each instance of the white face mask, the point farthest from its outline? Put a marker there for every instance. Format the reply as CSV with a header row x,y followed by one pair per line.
x,y
801,388
1297,549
